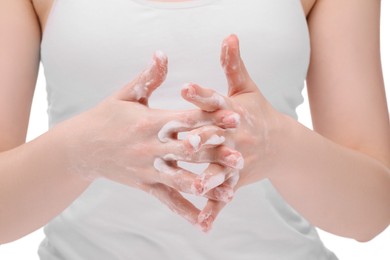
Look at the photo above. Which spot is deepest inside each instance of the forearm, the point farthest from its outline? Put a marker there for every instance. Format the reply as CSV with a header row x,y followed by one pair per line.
x,y
336,188
36,185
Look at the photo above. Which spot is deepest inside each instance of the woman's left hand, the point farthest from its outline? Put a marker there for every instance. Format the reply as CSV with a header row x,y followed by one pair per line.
x,y
259,123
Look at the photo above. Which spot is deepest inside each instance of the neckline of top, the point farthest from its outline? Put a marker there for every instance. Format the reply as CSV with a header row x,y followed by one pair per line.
x,y
175,5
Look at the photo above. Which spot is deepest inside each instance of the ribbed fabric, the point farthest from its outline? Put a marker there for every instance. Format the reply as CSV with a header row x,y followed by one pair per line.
x,y
91,48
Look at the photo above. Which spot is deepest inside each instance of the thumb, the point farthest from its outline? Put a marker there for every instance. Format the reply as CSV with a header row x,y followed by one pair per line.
x,y
237,76
146,82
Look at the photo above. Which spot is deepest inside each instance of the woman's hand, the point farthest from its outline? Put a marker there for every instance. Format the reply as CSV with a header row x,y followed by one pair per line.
x,y
258,122
122,139
341,173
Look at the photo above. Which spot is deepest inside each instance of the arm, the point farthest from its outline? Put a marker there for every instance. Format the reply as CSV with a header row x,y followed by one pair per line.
x,y
345,82
348,102
343,165
34,183
339,187
118,139
23,180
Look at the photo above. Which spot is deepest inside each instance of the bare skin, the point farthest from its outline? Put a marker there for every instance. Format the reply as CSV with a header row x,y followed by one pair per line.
x,y
117,140
315,174
344,163
330,107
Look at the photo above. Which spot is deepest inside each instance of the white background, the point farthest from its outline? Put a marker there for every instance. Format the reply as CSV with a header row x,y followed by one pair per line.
x,y
346,249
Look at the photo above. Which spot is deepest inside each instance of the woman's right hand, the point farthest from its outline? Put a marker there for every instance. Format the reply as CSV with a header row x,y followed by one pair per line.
x,y
124,140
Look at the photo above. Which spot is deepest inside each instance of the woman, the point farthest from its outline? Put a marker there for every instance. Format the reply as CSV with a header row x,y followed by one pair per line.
x,y
90,48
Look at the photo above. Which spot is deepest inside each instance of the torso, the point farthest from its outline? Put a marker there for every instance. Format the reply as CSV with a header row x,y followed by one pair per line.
x,y
43,7
91,48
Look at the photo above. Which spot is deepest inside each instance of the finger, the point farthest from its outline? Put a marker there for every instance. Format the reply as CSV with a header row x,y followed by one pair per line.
x,y
213,176
237,76
184,121
188,182
175,202
175,177
147,81
206,99
222,155
206,136
222,194
225,191
209,214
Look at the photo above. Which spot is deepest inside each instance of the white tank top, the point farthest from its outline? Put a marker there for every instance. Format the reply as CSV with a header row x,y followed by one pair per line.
x,y
91,48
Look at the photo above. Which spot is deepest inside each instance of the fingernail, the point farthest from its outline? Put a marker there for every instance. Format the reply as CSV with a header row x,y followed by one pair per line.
x,y
224,194
160,70
191,93
235,160
231,120
197,187
205,221
161,56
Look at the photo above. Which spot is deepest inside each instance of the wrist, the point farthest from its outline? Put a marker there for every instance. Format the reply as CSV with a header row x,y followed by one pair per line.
x,y
290,149
280,146
70,139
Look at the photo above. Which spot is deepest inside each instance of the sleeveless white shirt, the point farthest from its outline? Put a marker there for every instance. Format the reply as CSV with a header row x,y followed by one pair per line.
x,y
91,48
